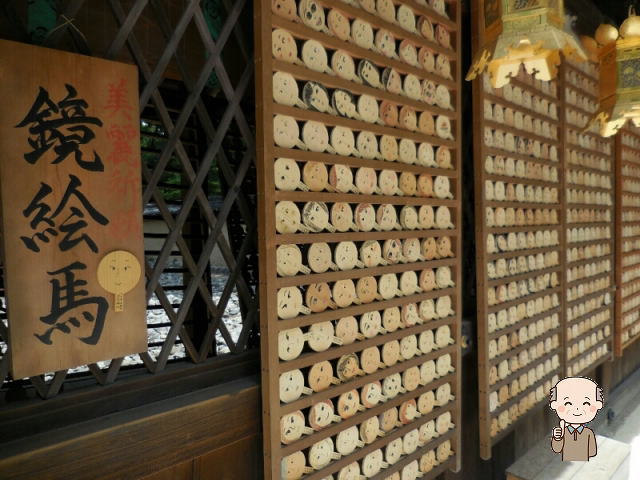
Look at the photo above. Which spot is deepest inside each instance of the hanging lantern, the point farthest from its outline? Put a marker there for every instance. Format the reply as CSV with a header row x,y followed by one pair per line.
x,y
529,32
619,56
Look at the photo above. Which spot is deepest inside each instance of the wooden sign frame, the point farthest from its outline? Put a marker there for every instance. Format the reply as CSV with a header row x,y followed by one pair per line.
x,y
579,83
71,194
269,240
628,291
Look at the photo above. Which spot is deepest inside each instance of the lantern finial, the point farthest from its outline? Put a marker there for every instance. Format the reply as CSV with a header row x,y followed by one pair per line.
x,y
619,56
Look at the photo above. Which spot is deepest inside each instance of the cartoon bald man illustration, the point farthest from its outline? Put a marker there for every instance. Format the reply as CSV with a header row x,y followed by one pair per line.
x,y
576,401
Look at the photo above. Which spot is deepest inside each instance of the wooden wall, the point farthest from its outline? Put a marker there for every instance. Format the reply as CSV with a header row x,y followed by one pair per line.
x,y
213,433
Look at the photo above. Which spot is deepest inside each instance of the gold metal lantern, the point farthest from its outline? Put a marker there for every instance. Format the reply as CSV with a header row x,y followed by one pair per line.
x,y
619,55
529,32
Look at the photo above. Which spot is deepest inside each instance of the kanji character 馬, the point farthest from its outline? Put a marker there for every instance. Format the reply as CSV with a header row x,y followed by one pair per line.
x,y
71,305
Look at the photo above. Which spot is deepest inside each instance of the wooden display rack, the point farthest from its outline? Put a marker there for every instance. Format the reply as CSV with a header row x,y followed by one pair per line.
x,y
520,276
278,324
589,225
627,234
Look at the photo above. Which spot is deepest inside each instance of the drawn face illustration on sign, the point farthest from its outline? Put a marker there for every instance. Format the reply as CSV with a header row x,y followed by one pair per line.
x,y
118,273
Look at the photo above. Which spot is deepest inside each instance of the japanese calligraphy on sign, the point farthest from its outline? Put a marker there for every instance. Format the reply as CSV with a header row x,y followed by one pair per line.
x,y
70,192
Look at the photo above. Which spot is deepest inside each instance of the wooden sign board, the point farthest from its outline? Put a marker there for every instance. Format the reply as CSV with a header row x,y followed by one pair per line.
x,y
71,194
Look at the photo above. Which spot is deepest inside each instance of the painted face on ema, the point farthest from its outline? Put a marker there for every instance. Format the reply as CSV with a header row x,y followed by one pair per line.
x,y
119,272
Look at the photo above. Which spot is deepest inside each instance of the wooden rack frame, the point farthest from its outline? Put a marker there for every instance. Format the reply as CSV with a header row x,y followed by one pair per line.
x,y
269,240
586,334
517,403
580,94
627,323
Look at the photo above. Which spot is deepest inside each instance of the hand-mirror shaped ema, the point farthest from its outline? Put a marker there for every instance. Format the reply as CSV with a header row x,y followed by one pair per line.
x,y
118,273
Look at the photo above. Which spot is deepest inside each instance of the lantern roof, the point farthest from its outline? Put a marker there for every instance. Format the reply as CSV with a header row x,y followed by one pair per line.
x,y
515,32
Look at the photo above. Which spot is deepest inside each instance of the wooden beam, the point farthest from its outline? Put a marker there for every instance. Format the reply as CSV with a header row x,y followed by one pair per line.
x,y
141,440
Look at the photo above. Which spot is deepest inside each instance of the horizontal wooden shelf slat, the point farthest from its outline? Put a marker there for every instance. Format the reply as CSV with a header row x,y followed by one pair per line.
x,y
336,390
631,340
530,343
585,188
398,32
427,11
525,228
587,224
332,276
585,298
519,156
570,66
522,276
335,466
333,81
515,180
584,168
630,194
526,298
523,370
521,133
434,473
631,310
628,283
630,252
354,198
301,31
533,90
586,261
308,156
582,111
306,320
627,268
586,315
630,163
631,238
503,433
530,205
301,238
589,206
591,367
522,323
590,242
590,330
524,252
493,98
529,389
575,283
335,428
333,353
334,120
588,352
588,151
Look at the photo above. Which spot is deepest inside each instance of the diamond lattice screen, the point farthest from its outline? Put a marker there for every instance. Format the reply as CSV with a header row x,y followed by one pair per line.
x,y
195,61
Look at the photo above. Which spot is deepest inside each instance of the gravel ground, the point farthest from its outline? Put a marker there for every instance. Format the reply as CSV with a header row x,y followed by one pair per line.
x,y
232,318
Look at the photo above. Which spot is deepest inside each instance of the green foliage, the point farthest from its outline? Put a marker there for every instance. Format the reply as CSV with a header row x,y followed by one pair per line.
x,y
153,139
